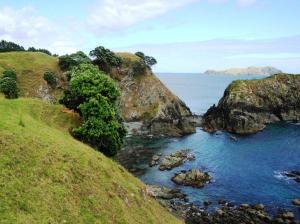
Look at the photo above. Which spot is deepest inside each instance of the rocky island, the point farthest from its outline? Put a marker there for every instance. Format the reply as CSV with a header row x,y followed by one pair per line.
x,y
266,71
247,106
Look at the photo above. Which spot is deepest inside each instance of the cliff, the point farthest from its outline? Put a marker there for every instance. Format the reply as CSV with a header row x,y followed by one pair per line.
x,y
247,106
266,71
145,99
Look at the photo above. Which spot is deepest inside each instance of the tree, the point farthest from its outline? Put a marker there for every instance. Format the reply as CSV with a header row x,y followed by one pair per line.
x,y
50,78
148,60
45,51
105,58
67,62
6,46
95,95
8,86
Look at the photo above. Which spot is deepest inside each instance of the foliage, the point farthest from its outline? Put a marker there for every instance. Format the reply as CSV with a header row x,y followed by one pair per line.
x,y
95,95
105,58
32,49
148,60
67,62
138,68
8,86
6,46
9,73
50,78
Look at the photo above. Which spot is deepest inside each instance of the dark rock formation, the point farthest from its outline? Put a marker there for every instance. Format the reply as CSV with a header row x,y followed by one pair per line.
x,y
295,175
248,105
194,178
175,159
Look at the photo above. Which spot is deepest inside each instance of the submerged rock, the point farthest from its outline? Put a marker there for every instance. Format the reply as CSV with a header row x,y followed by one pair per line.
x,y
248,105
194,178
154,161
295,175
176,159
296,202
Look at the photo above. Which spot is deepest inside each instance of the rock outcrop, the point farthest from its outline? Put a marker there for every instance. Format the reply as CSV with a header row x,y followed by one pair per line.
x,y
194,178
247,106
145,98
246,71
175,159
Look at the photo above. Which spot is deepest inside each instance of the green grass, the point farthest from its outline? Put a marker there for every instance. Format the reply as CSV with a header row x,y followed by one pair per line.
x,y
48,177
30,68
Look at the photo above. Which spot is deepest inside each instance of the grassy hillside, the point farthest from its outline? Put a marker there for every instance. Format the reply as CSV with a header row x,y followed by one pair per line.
x,y
48,177
30,68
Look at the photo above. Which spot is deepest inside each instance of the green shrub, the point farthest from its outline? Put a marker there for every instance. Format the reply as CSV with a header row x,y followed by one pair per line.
x,y
67,62
8,86
9,74
50,78
148,60
95,95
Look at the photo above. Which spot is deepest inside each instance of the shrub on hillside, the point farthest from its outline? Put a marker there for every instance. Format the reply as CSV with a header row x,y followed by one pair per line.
x,y
105,59
138,68
6,46
148,60
9,73
50,78
95,95
67,62
8,86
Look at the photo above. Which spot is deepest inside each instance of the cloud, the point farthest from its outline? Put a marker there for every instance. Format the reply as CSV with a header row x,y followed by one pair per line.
x,y
283,53
117,14
25,27
246,3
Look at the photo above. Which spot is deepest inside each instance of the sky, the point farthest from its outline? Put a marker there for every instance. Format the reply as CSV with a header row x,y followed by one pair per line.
x,y
185,36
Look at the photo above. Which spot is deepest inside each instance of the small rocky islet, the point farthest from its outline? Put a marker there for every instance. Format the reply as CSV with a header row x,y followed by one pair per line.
x,y
249,105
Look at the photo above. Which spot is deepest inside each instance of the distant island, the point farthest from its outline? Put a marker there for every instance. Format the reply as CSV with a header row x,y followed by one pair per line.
x,y
267,70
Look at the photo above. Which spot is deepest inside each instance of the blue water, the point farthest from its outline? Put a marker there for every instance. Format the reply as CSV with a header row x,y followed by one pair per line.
x,y
244,171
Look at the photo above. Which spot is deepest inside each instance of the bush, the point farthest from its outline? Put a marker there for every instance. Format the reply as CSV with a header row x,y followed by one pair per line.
x,y
8,86
50,78
105,59
9,74
95,95
67,62
138,68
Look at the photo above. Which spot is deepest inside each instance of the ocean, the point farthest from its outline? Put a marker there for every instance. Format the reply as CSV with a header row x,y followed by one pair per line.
x,y
248,170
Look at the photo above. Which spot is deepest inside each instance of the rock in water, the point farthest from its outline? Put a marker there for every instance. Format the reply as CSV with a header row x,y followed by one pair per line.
x,y
164,193
175,159
194,178
248,105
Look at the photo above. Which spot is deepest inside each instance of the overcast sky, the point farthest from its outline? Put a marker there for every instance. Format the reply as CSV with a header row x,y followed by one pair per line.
x,y
184,35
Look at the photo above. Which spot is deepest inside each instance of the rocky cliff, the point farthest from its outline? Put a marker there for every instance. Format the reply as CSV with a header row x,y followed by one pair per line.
x,y
247,106
246,71
146,100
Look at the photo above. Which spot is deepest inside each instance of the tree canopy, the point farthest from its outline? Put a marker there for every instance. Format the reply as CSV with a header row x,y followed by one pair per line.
x,y
148,60
94,95
67,62
7,46
105,58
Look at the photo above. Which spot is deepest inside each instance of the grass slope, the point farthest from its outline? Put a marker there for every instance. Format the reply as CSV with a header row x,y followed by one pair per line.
x,y
30,68
48,177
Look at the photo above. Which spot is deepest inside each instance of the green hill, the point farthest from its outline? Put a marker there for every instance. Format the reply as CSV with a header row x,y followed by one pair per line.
x,y
46,176
30,68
